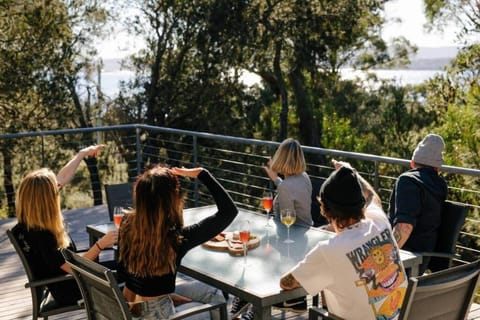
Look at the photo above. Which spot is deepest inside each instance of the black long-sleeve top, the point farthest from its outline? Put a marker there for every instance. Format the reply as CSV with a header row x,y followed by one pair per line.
x,y
193,235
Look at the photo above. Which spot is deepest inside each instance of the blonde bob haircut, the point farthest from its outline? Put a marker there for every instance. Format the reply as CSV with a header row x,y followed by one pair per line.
x,y
38,205
289,158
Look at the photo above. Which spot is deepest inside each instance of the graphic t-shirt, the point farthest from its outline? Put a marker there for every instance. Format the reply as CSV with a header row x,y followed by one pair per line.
x,y
359,270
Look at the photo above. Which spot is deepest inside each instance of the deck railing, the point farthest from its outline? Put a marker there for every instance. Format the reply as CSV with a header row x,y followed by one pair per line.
x,y
236,162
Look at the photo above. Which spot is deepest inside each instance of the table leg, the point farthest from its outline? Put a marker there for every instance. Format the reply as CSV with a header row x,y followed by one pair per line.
x,y
92,239
260,313
414,271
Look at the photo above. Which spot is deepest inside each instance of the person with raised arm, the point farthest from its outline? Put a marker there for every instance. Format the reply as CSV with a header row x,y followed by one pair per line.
x,y
41,231
359,269
153,240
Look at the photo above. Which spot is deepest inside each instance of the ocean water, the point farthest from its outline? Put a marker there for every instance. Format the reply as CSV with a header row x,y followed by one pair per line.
x,y
111,79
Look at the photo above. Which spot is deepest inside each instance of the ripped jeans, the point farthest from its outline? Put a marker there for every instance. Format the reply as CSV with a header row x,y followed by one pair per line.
x,y
199,292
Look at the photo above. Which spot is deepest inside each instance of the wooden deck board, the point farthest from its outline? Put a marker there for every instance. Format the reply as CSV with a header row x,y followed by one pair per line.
x,y
15,299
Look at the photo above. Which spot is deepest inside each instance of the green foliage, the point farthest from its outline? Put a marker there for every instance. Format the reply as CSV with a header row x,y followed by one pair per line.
x,y
338,133
193,59
465,13
460,99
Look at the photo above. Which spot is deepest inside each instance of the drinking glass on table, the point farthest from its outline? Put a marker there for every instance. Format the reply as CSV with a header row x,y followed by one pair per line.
x,y
118,216
244,232
267,203
288,217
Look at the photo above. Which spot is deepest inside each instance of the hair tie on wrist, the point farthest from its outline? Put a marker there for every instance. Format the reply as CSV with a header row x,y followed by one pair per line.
x,y
98,246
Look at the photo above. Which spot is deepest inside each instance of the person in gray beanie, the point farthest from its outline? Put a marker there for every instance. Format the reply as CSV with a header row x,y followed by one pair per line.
x,y
417,199
359,269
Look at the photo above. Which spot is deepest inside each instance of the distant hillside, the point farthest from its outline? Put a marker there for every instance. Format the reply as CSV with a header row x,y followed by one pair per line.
x,y
436,58
426,58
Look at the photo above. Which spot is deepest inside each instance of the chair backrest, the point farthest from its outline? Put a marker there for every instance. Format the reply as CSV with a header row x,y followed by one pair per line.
x,y
104,300
318,219
444,295
101,294
18,248
43,304
453,218
118,195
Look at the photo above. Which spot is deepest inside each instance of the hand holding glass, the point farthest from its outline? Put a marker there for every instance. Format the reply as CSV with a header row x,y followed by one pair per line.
x,y
288,217
267,203
244,232
117,216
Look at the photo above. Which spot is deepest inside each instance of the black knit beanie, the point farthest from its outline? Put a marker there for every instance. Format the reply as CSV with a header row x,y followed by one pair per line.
x,y
342,191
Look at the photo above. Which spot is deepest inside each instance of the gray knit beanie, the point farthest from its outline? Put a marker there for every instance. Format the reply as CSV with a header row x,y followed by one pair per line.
x,y
429,151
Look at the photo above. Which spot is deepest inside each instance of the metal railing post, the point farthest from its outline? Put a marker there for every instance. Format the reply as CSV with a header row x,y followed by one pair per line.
x,y
139,150
376,178
43,151
195,164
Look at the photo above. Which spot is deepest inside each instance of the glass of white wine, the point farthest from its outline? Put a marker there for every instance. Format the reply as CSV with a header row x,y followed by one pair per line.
x,y
288,217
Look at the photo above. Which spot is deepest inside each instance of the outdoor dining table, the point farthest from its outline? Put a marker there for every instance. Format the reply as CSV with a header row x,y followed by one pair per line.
x,y
258,282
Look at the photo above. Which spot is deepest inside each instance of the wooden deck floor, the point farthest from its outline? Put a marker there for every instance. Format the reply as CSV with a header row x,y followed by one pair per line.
x,y
15,300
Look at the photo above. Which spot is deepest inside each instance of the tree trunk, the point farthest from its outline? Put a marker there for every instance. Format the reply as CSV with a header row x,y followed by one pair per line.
x,y
94,180
8,181
282,91
307,127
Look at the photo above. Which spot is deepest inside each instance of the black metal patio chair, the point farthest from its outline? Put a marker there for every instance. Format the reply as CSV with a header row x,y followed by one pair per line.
x,y
453,218
103,298
118,195
43,303
445,295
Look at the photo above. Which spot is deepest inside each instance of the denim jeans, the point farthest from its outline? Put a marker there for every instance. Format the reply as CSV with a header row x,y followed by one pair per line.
x,y
199,292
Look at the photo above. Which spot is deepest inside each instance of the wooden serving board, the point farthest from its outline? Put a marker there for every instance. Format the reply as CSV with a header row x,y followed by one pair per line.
x,y
225,242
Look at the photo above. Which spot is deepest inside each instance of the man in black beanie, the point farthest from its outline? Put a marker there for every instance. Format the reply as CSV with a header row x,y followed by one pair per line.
x,y
359,269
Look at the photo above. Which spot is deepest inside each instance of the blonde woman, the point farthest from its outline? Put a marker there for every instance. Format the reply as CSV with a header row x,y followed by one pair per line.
x,y
153,240
294,191
40,229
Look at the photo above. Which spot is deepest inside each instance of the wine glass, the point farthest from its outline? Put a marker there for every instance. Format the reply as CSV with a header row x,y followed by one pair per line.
x,y
288,217
267,203
244,232
117,216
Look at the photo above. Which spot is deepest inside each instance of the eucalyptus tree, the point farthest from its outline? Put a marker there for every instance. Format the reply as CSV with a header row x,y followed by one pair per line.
x,y
44,45
456,94
184,76
196,51
297,47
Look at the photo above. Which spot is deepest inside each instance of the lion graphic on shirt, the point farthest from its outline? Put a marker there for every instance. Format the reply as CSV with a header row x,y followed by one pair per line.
x,y
380,272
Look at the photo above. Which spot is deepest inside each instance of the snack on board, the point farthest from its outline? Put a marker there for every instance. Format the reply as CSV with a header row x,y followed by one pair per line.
x,y
219,237
230,242
236,235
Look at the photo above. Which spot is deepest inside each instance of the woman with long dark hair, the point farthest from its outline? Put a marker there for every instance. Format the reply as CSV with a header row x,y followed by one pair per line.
x,y
153,240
